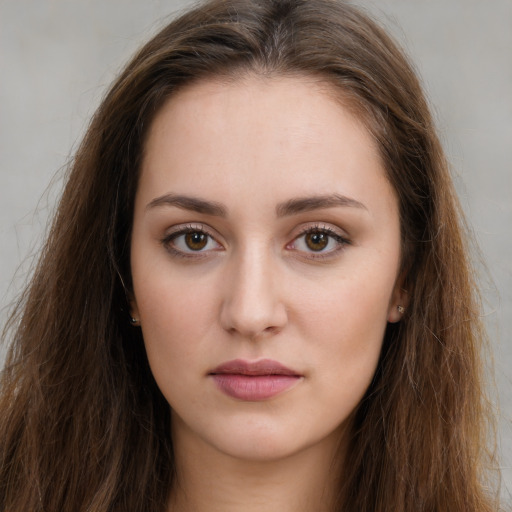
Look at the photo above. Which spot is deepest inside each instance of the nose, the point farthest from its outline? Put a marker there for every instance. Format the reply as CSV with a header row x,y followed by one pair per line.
x,y
253,303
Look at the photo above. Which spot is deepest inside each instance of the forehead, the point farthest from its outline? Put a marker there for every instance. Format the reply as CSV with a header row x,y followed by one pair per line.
x,y
292,100
279,136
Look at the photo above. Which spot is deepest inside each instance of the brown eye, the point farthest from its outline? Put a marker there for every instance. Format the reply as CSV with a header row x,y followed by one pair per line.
x,y
317,241
191,242
195,240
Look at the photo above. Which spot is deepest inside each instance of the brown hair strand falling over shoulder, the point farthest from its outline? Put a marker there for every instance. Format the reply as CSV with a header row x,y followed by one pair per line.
x,y
83,424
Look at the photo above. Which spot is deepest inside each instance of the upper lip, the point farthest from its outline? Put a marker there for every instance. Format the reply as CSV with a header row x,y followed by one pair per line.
x,y
261,367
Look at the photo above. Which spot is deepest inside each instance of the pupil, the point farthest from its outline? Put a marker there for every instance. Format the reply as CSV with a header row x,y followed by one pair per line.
x,y
196,241
317,241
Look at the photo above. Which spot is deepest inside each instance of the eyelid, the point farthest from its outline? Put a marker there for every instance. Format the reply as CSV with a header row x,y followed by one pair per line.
x,y
336,233
181,230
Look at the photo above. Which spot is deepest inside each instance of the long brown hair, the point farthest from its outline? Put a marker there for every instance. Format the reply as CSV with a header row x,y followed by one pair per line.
x,y
83,425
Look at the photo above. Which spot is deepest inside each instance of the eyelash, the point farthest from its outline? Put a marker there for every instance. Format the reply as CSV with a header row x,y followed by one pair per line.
x,y
169,240
341,241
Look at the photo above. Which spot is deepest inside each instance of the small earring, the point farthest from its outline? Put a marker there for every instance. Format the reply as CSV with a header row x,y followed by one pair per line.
x,y
401,309
134,321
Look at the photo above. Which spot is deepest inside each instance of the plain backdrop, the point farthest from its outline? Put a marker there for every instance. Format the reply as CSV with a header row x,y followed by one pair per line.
x,y
58,56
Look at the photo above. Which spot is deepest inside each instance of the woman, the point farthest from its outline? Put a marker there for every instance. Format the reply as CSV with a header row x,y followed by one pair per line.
x,y
255,294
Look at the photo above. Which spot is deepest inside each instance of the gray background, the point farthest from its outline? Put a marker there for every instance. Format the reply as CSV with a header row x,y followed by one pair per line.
x,y
58,56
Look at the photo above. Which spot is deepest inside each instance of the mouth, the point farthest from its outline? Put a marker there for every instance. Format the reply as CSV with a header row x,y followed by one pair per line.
x,y
254,381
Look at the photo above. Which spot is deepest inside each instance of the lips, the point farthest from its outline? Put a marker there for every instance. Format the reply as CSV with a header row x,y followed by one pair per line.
x,y
254,381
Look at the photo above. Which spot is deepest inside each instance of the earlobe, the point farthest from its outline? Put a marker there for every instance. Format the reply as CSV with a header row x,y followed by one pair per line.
x,y
398,305
134,311
396,313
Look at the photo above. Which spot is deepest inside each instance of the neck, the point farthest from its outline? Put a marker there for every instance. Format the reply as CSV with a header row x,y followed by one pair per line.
x,y
209,480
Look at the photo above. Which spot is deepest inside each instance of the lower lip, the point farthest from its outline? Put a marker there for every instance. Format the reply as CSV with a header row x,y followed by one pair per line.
x,y
254,388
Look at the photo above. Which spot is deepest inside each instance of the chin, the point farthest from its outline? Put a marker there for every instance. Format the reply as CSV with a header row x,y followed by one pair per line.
x,y
259,441
258,449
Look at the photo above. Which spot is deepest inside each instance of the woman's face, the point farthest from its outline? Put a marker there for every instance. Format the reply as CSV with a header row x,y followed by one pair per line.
x,y
265,257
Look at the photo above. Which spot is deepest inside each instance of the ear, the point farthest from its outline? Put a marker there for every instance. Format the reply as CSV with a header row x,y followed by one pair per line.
x,y
399,301
134,310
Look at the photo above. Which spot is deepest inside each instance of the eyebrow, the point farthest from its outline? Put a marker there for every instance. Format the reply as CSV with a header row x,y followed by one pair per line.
x,y
291,207
306,204
189,203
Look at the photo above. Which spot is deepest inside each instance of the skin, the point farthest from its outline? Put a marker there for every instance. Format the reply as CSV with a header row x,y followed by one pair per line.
x,y
257,290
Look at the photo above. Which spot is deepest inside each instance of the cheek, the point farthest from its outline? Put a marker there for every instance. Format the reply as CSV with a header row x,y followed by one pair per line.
x,y
350,342
350,339
355,307
169,300
176,317
347,323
